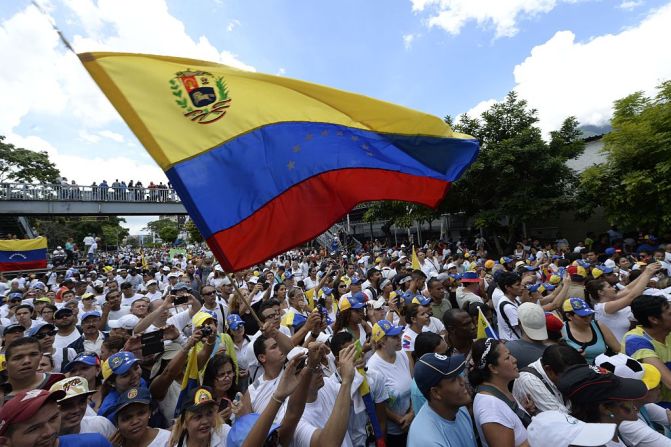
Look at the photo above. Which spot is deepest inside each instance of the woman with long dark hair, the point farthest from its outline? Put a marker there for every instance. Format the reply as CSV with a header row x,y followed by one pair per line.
x,y
500,420
220,377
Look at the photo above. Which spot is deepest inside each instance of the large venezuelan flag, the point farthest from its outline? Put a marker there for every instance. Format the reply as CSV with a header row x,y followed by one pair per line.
x,y
264,163
23,254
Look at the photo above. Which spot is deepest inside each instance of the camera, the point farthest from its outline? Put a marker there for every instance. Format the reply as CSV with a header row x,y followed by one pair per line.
x,y
206,331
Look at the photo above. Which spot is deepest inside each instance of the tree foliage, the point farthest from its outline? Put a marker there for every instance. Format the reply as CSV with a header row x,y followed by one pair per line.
x,y
167,229
193,232
634,183
23,165
59,229
518,177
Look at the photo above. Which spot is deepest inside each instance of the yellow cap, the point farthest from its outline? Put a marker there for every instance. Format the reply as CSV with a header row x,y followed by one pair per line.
x,y
106,370
555,279
200,318
651,376
596,272
489,263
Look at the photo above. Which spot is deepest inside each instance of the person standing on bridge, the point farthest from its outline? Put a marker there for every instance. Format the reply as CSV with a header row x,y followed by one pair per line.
x,y
103,190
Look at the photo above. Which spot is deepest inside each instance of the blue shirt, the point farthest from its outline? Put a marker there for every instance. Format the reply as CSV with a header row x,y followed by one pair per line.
x,y
417,398
429,429
83,440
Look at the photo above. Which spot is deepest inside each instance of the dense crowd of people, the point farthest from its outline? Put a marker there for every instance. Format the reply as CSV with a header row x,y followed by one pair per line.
x,y
438,345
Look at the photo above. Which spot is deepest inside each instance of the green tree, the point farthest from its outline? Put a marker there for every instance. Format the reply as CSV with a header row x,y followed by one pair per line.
x,y
517,177
634,183
193,232
168,233
23,165
58,229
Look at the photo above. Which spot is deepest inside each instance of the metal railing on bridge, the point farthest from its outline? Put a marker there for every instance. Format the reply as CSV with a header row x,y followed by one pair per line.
x,y
63,192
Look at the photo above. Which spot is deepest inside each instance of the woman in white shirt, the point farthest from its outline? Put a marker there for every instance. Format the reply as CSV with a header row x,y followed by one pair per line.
x,y
199,423
497,414
393,366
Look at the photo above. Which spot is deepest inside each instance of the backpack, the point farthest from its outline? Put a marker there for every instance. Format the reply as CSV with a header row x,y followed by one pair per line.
x,y
502,304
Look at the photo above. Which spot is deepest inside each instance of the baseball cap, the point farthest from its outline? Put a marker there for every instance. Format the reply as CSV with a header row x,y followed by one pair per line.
x,y
552,323
576,270
151,282
383,328
431,368
23,406
118,364
35,329
138,395
196,398
470,277
489,263
85,358
577,306
234,321
243,425
93,313
562,430
505,260
43,299
98,283
61,311
610,251
127,322
421,300
13,328
378,303
356,280
532,319
355,301
201,317
584,383
72,386
14,296
451,265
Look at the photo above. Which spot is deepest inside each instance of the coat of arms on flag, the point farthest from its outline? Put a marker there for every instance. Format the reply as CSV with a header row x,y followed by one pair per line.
x,y
196,90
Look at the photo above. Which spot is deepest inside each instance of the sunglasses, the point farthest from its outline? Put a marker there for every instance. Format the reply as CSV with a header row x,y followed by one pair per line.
x,y
42,335
208,293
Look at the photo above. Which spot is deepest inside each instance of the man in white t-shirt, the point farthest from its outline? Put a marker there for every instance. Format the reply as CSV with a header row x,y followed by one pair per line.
x,y
64,320
506,311
327,410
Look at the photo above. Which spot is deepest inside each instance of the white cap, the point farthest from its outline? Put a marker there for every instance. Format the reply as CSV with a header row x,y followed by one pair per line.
x,y
451,265
174,275
98,283
557,429
253,279
532,319
127,322
218,268
378,303
165,268
150,282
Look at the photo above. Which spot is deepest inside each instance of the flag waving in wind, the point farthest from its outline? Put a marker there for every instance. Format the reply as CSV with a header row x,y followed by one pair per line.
x,y
485,329
264,163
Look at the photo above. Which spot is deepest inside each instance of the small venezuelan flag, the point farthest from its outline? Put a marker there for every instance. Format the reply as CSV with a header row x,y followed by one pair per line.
x,y
286,158
485,329
23,254
415,260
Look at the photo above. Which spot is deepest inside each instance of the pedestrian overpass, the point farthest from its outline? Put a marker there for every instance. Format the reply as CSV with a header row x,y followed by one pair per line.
x,y
25,199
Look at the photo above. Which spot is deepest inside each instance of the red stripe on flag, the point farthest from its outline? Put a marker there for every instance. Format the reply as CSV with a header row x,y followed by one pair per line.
x,y
309,208
27,265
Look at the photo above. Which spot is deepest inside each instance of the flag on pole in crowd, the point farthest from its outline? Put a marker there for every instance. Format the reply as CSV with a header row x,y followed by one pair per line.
x,y
23,254
485,329
286,158
415,260
191,379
